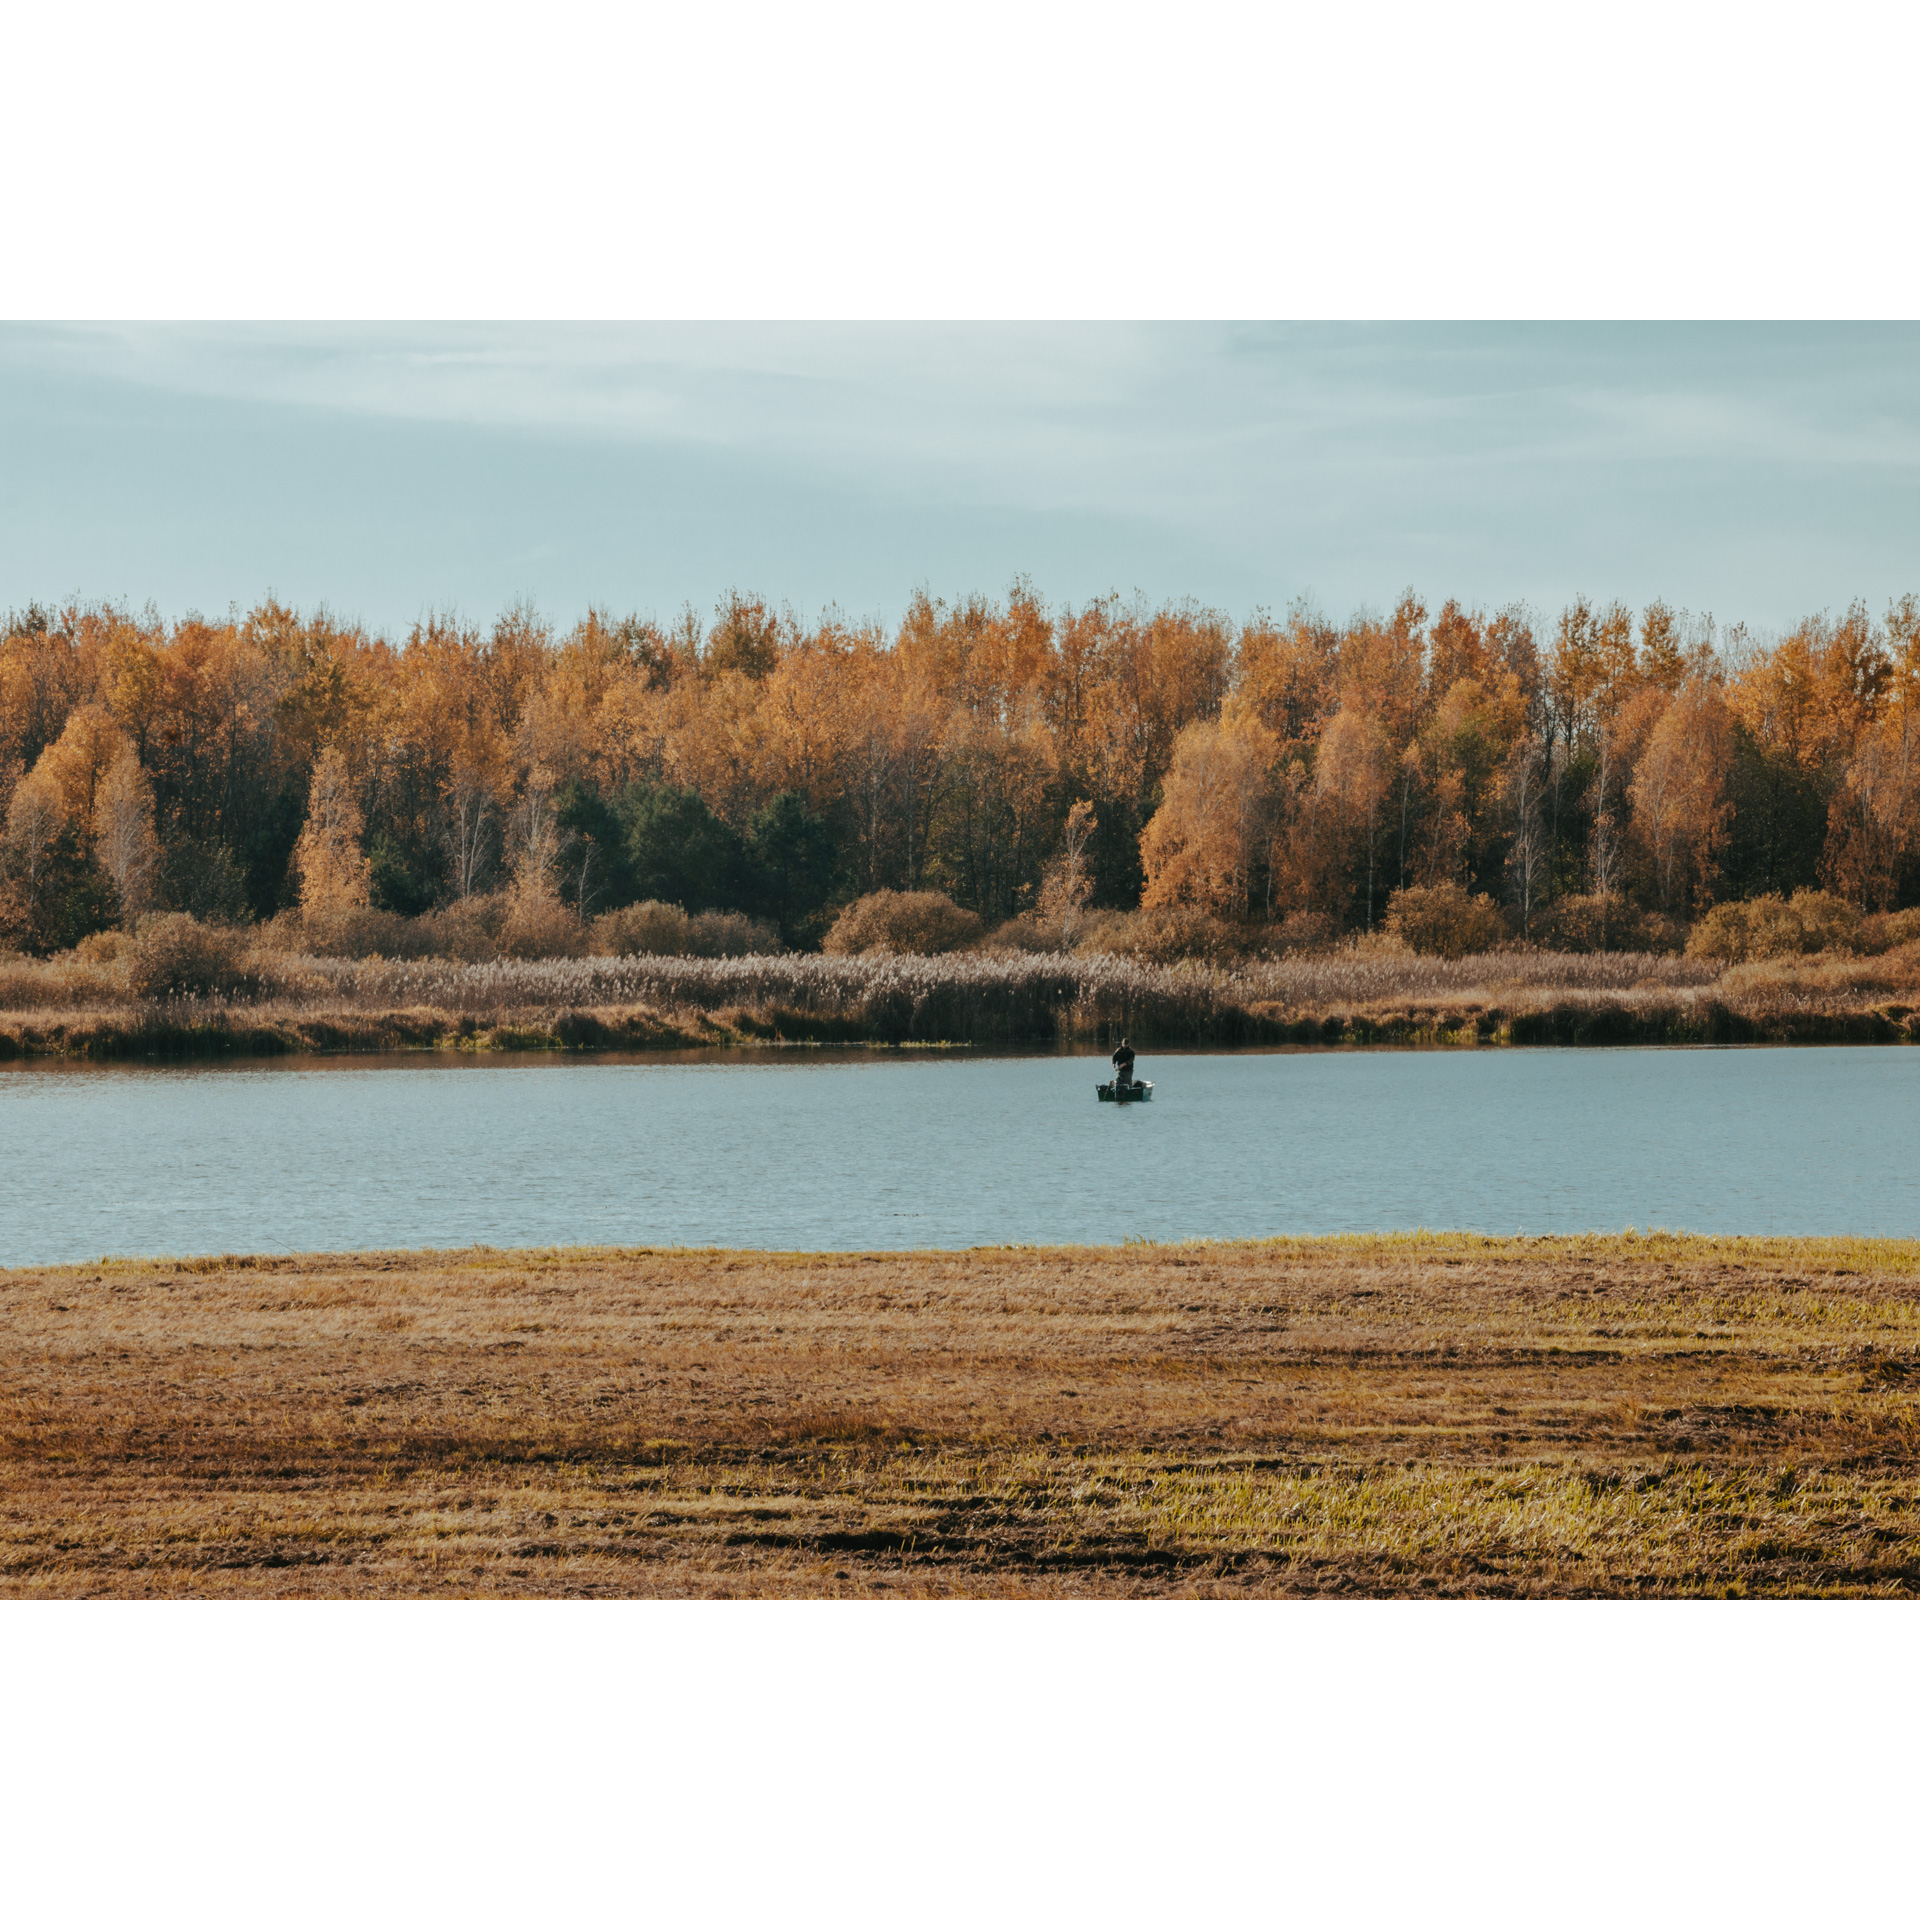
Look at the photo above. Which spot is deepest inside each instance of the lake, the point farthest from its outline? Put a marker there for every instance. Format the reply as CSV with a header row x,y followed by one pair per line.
x,y
850,1150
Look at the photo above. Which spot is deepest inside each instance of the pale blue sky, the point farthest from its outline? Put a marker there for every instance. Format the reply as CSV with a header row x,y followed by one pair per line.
x,y
1754,471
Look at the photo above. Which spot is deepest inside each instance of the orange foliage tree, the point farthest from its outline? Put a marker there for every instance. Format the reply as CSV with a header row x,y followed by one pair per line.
x,y
1679,798
750,757
1201,847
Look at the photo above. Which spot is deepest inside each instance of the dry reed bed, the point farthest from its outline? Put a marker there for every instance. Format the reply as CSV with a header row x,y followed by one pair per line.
x,y
1348,997
1427,1414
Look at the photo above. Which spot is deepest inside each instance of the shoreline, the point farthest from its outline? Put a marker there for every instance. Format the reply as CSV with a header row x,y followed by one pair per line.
x,y
1411,1414
157,1032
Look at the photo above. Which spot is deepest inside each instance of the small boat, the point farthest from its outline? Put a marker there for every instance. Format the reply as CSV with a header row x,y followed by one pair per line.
x,y
1139,1090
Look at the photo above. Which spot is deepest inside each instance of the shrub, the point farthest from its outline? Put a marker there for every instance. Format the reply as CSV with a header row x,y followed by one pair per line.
x,y
1769,927
466,929
1604,923
663,930
1445,920
1815,923
1722,933
659,928
1026,933
654,926
282,934
1167,936
174,953
902,923
540,926
357,932
1879,932
731,936
103,949
1304,932
1095,930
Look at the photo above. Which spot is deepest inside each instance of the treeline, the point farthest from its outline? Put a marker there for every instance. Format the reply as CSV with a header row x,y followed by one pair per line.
x,y
1024,760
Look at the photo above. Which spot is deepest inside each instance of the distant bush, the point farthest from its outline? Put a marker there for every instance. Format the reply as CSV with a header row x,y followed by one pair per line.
x,y
359,932
1879,932
902,923
1304,932
653,926
658,928
1094,930
514,925
1825,923
103,949
281,934
1169,935
1725,933
1027,933
466,929
1604,923
540,926
731,936
1769,927
1445,920
173,953
76,979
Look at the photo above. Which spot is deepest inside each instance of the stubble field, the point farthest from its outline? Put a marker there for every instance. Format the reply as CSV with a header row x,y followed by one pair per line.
x,y
1415,1415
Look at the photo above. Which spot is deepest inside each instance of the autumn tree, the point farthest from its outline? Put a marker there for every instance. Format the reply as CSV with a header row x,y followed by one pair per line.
x,y
1068,882
52,892
327,856
1873,821
1461,748
1353,777
45,670
34,821
1592,668
1380,678
1201,847
746,637
465,816
1679,791
1800,707
1663,660
753,754
124,839
536,839
1120,683
77,762
890,726
1523,782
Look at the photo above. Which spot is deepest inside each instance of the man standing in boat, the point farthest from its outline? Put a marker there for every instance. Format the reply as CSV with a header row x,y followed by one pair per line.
x,y
1122,1064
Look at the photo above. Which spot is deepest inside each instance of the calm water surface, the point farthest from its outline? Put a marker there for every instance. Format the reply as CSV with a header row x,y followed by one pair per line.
x,y
837,1152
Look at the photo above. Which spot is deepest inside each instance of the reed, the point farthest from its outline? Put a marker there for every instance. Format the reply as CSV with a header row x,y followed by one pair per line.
x,y
1366,995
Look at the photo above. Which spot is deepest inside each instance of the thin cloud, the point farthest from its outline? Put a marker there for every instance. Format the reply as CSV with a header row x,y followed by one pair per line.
x,y
1758,470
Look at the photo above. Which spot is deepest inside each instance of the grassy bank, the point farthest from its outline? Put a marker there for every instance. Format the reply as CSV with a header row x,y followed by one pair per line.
x,y
1379,997
1410,1415
174,1033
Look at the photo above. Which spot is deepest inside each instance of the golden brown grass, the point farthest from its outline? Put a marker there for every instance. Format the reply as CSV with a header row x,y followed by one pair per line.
x,y
1372,994
274,1028
1408,1415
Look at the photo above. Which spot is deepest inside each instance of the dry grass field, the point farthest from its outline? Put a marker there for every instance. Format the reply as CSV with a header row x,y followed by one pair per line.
x,y
1412,1415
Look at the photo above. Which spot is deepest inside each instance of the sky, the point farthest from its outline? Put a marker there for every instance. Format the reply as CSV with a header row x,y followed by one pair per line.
x,y
1757,471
